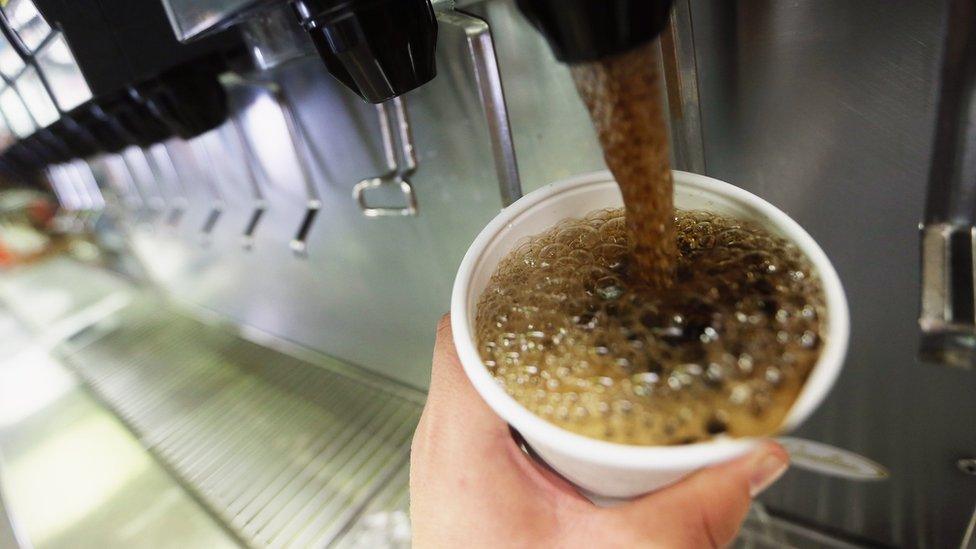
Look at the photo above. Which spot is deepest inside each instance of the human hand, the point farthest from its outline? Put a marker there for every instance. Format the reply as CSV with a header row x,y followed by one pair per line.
x,y
471,485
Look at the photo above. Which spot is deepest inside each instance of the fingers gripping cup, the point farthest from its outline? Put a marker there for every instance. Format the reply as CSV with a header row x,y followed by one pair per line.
x,y
608,469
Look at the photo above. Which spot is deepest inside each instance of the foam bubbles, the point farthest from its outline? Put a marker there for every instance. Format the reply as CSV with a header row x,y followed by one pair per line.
x,y
723,350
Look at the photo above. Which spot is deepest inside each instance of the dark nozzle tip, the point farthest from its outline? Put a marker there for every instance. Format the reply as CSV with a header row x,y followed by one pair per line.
x,y
106,132
75,138
380,49
587,30
190,101
140,126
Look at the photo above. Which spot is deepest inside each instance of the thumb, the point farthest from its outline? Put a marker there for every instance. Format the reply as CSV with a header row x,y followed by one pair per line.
x,y
707,508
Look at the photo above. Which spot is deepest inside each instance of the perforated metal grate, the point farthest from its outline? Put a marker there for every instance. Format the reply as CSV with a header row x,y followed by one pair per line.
x,y
286,453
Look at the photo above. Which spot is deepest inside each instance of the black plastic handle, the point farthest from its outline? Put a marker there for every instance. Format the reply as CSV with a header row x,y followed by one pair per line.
x,y
587,30
378,48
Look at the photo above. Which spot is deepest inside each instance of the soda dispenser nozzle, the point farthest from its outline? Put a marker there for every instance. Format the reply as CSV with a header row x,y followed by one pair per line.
x,y
587,30
378,48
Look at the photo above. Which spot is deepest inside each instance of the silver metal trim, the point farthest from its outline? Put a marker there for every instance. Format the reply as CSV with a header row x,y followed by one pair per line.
x,y
399,166
491,92
257,194
946,336
207,174
681,76
180,202
313,202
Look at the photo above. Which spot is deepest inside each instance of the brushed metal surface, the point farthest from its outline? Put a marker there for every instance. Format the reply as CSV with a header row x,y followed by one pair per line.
x,y
369,290
826,109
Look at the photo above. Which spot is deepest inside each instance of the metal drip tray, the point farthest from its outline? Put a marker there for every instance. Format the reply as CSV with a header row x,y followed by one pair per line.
x,y
44,294
386,521
284,452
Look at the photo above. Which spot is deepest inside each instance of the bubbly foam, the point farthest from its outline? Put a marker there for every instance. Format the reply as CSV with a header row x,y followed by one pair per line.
x,y
569,331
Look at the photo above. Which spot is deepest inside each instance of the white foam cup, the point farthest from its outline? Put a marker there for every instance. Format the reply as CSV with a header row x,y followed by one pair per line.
x,y
605,469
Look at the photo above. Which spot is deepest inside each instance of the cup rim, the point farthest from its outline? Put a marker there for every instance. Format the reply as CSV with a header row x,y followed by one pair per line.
x,y
539,431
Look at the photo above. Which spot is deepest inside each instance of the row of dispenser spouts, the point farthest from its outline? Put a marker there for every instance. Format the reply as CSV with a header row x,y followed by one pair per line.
x,y
78,192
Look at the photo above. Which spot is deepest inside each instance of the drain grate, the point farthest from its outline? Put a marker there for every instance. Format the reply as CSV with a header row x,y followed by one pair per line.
x,y
385,522
284,452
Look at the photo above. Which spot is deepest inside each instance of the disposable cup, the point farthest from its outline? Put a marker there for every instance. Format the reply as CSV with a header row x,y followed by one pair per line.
x,y
605,469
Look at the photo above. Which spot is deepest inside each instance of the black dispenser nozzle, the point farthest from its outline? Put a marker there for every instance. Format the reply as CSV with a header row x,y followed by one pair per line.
x,y
190,100
76,138
141,127
378,48
587,30
106,132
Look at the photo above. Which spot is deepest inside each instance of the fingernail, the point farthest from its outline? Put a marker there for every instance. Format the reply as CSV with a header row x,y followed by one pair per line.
x,y
769,468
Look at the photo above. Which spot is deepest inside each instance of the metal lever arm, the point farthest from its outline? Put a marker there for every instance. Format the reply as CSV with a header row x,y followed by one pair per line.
x,y
400,165
180,201
257,195
313,202
85,179
195,153
481,48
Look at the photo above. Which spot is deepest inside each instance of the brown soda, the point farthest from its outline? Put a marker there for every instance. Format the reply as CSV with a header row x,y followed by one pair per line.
x,y
724,350
644,325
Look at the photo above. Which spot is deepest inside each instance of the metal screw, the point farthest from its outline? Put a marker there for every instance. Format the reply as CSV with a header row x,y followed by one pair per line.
x,y
967,465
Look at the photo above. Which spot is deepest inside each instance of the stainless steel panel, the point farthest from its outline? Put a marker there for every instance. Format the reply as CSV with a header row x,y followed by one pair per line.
x,y
825,108
370,289
190,18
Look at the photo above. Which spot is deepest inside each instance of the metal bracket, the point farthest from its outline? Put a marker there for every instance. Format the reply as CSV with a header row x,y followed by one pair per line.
x,y
67,196
257,195
680,71
400,166
192,150
120,177
151,204
948,310
92,197
313,200
217,199
180,201
481,48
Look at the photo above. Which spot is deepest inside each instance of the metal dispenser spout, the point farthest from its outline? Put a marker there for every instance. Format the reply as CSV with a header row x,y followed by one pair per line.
x,y
587,30
948,231
378,48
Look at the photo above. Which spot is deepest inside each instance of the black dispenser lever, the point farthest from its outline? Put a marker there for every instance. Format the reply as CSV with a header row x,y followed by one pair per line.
x,y
378,48
587,30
